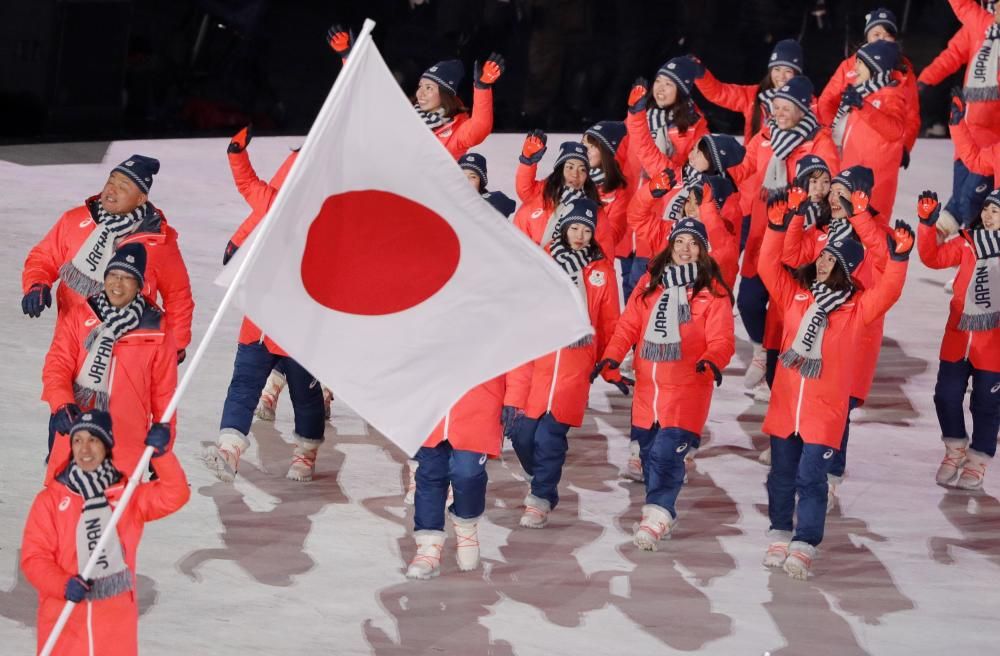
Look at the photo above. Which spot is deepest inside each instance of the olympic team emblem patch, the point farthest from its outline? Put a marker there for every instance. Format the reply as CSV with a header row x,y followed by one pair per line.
x,y
597,278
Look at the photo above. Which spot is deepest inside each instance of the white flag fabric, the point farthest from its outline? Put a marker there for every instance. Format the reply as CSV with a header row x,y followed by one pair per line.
x,y
385,274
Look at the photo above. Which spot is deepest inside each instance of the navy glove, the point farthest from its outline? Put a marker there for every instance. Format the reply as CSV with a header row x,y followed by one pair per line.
x,y
158,437
623,384
699,68
599,367
508,415
36,300
181,355
534,148
851,97
905,162
240,140
65,417
957,111
77,588
900,242
491,70
703,364
231,249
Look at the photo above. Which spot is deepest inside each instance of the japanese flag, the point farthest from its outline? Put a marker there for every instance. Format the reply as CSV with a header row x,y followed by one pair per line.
x,y
382,271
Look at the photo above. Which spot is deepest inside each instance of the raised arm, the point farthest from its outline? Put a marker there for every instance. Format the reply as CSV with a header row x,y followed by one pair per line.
x,y
829,99
947,63
475,130
889,286
969,12
734,97
933,253
165,495
780,284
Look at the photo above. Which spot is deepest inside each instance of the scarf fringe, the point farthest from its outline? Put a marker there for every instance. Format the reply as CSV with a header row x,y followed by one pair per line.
x,y
807,367
984,94
111,586
582,342
78,281
979,322
89,398
660,352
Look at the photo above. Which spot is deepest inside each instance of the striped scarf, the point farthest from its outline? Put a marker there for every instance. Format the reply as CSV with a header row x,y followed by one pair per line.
x,y
659,121
435,119
566,196
764,98
691,179
662,340
111,575
806,352
981,78
982,297
573,262
783,143
867,88
839,229
85,272
596,174
92,385
816,215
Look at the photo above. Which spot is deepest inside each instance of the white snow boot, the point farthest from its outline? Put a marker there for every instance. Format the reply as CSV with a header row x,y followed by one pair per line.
x,y
223,457
762,393
427,561
765,457
327,401
411,481
268,403
777,551
303,459
536,512
947,224
757,367
798,564
973,470
466,542
955,453
655,526
633,470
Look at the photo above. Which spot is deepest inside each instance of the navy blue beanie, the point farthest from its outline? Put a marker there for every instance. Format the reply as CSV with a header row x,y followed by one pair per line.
x,y
682,71
690,226
98,424
993,198
880,56
848,252
476,163
130,258
808,165
609,133
883,17
140,170
571,150
787,52
725,151
447,74
855,177
799,91
580,210
501,202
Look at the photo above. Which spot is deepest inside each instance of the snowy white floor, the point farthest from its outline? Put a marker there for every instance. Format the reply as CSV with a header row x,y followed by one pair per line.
x,y
276,567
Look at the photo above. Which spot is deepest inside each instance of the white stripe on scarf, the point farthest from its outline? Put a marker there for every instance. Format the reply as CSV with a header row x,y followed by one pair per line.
x,y
111,575
867,88
981,78
91,386
806,352
764,98
982,297
662,340
816,214
839,229
659,121
566,196
674,209
597,175
783,143
85,272
573,262
435,119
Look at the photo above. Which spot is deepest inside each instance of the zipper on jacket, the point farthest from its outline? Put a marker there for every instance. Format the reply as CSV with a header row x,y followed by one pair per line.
x,y
111,379
968,346
656,396
90,628
798,405
447,421
555,375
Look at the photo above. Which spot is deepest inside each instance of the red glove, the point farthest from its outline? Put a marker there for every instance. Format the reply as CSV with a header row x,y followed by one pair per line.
x,y
928,208
241,140
637,96
796,195
492,69
900,242
778,216
534,147
662,183
859,202
340,39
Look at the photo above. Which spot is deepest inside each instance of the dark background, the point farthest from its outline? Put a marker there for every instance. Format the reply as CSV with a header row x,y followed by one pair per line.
x,y
115,69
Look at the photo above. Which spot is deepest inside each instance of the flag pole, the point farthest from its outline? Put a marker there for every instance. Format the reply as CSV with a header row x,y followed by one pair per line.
x,y
363,40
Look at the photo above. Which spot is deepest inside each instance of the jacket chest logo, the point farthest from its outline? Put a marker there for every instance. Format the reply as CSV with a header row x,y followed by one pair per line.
x,y
86,222
90,322
801,297
537,213
445,133
64,504
596,278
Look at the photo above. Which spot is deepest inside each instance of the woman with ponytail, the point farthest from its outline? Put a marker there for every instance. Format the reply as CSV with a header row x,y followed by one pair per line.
x,y
680,320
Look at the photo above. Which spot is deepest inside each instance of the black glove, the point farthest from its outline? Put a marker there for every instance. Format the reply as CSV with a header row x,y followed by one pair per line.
x,y
158,437
623,384
241,140
36,300
699,68
231,249
851,97
905,162
599,367
957,111
703,364
65,417
181,355
922,88
77,588
485,77
900,242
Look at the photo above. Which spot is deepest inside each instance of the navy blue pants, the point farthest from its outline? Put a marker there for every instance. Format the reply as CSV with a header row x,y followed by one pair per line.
x,y
440,466
968,191
949,399
541,446
665,474
644,436
840,458
798,468
771,368
744,233
633,268
752,303
250,371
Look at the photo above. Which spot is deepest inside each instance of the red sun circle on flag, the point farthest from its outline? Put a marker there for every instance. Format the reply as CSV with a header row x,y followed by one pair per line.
x,y
374,252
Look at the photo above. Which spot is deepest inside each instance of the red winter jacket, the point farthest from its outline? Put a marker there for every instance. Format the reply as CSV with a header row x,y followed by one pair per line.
x,y
750,175
143,376
463,131
674,394
829,100
48,554
816,408
982,160
981,348
741,98
533,215
559,383
473,423
983,117
166,274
